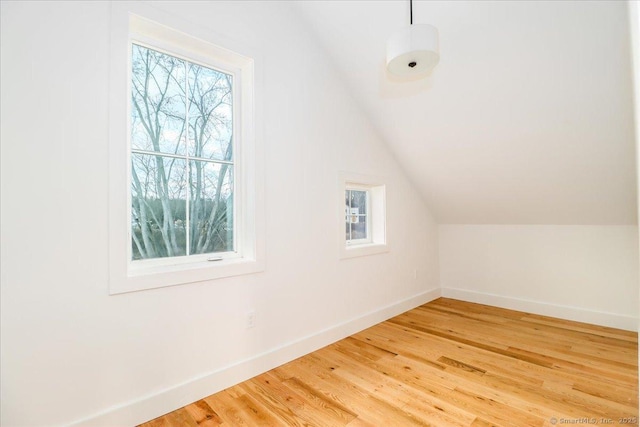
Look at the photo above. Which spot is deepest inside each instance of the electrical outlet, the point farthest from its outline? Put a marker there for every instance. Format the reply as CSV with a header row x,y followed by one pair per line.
x,y
415,274
251,319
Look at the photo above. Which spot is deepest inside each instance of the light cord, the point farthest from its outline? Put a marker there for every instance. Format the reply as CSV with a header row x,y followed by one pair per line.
x,y
410,12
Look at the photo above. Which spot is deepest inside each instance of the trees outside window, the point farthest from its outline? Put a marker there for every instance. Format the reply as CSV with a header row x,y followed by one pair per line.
x,y
182,157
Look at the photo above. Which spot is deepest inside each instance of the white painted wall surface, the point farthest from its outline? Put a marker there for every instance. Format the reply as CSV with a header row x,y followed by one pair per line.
x,y
634,27
71,352
527,119
584,273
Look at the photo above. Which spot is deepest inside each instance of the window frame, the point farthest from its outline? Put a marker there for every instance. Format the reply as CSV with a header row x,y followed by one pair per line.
x,y
153,28
377,241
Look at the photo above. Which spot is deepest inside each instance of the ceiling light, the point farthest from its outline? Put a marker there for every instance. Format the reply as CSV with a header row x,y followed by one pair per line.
x,y
414,50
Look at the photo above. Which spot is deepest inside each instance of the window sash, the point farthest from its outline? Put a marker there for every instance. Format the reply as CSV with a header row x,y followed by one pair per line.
x,y
366,215
189,58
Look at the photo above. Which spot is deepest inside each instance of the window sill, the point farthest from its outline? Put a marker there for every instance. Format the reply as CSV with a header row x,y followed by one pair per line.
x,y
138,279
364,250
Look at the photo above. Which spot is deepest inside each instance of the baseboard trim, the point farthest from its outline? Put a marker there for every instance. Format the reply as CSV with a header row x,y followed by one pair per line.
x,y
157,404
613,320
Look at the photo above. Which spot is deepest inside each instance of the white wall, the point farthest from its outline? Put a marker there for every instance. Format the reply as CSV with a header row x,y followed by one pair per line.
x,y
634,27
71,352
584,273
527,119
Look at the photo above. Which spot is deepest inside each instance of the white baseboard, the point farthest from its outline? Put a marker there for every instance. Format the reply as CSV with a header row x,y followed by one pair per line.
x,y
154,405
613,320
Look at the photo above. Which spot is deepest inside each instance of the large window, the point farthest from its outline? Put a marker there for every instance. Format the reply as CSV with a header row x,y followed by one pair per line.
x,y
185,186
182,157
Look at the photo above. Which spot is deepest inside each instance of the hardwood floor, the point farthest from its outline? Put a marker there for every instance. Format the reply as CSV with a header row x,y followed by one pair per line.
x,y
446,363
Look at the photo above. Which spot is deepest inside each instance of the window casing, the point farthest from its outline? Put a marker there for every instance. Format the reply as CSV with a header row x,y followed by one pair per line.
x,y
182,142
228,159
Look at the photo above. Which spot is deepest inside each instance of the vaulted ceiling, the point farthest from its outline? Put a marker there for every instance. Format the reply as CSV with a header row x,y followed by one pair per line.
x,y
527,119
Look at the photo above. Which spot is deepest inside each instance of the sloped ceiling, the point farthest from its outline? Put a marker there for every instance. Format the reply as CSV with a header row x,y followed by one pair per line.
x,y
526,120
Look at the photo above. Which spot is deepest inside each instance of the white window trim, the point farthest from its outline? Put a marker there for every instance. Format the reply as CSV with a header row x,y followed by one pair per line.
x,y
377,236
134,21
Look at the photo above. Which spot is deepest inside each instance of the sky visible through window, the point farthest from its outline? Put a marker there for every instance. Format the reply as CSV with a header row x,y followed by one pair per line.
x,y
182,160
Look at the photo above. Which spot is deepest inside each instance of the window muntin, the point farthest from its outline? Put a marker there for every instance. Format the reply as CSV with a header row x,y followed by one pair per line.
x,y
182,157
357,216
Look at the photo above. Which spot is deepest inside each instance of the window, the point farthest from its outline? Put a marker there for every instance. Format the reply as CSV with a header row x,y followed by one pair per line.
x,y
182,157
185,187
357,215
363,220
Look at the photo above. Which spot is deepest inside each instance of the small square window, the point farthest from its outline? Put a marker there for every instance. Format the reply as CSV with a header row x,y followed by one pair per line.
x,y
363,217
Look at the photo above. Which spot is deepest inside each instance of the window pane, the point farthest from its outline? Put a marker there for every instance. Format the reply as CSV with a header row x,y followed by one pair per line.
x,y
211,209
359,229
158,204
210,113
359,201
157,101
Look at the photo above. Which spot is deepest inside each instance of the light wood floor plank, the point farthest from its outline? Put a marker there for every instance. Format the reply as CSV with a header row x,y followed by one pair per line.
x,y
446,363
203,415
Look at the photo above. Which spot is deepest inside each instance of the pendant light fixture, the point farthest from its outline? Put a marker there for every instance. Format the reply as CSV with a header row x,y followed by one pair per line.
x,y
414,50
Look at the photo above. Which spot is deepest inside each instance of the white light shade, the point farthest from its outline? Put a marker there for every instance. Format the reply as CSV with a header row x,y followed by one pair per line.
x,y
413,50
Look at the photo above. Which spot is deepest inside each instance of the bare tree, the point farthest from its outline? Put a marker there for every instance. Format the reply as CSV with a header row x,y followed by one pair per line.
x,y
181,155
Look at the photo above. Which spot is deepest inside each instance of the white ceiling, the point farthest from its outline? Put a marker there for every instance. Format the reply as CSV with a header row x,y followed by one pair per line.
x,y
527,119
